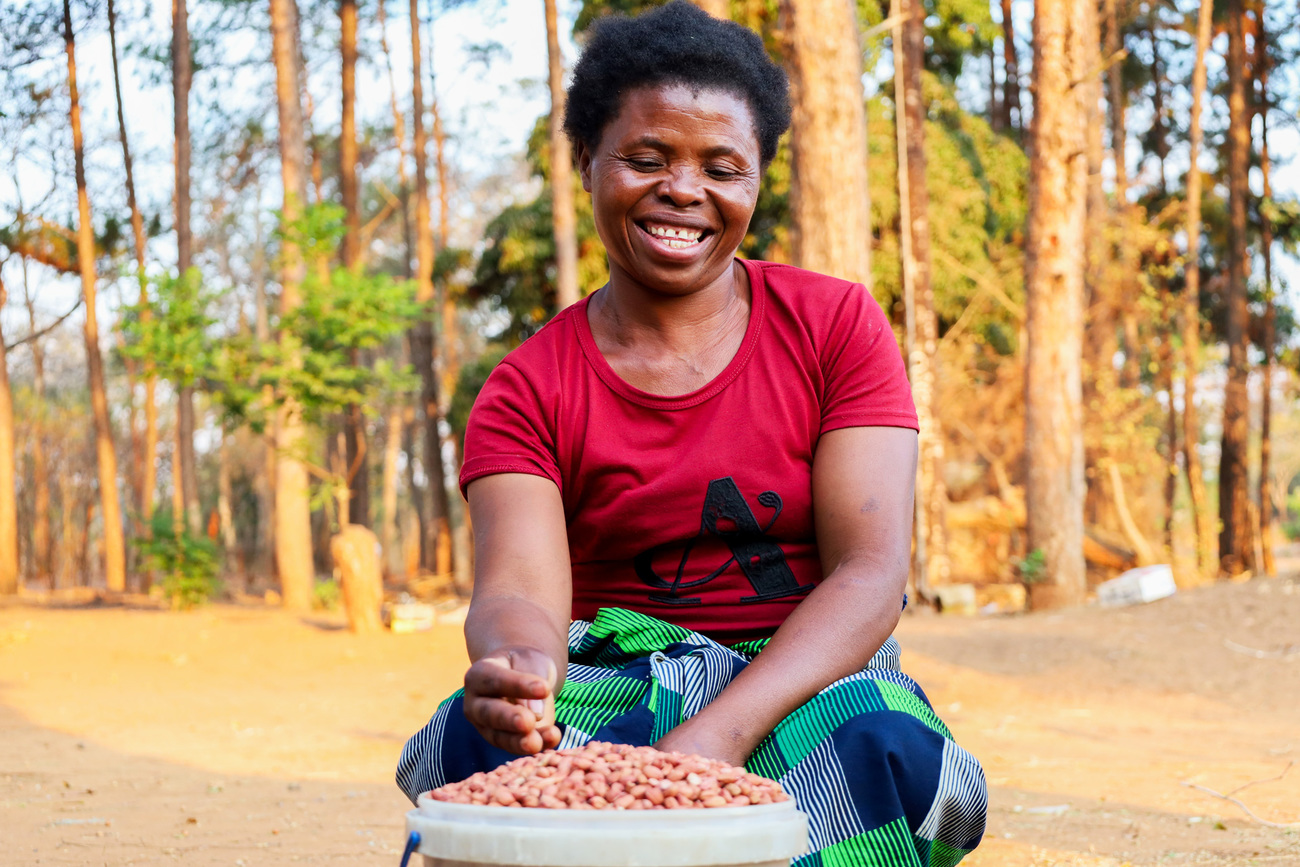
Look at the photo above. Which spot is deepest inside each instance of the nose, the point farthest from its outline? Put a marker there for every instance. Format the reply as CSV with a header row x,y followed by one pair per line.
x,y
682,185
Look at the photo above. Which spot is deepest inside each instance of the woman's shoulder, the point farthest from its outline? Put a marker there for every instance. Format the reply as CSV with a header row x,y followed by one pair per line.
x,y
552,348
814,298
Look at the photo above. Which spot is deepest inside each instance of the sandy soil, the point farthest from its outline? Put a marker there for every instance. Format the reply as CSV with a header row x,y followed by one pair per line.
x,y
239,735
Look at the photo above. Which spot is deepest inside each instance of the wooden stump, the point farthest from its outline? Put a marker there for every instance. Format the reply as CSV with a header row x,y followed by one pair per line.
x,y
355,552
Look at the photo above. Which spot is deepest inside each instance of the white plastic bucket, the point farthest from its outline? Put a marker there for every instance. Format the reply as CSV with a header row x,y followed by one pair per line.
x,y
469,835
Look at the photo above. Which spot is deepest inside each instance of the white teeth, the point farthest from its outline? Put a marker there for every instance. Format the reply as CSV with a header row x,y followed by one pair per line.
x,y
676,238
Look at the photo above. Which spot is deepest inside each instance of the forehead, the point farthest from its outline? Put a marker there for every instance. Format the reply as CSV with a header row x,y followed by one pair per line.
x,y
683,110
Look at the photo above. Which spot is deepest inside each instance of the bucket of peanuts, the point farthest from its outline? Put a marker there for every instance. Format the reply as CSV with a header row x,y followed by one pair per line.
x,y
609,805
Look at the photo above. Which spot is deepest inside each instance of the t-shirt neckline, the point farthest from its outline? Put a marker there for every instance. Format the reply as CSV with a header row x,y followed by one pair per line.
x,y
616,383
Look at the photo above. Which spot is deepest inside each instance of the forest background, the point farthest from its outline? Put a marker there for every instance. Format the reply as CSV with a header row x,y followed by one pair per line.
x,y
256,259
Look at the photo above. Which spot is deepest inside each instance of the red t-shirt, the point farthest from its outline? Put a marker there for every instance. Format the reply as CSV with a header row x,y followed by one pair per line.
x,y
696,509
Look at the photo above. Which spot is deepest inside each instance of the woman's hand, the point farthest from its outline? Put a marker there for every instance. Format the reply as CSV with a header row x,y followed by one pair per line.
x,y
510,699
703,736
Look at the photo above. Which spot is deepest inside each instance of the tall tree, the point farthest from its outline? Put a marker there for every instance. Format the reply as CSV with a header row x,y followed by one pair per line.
x,y
1262,64
114,544
1236,552
1191,316
1054,265
149,452
354,424
42,538
564,221
1011,71
293,551
830,206
182,73
436,548
9,577
923,331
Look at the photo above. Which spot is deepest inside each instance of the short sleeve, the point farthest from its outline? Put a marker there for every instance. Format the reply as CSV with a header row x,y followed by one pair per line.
x,y
865,380
509,430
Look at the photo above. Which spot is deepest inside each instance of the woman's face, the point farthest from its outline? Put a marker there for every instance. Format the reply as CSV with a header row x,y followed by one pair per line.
x,y
674,181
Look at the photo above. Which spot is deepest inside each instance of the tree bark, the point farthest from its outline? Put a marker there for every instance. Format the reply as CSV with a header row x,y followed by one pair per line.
x,y
436,550
389,539
1235,549
42,539
354,419
1054,266
106,457
1011,85
1191,318
292,509
563,217
1160,134
1266,510
716,8
932,566
829,202
182,72
263,482
149,447
9,575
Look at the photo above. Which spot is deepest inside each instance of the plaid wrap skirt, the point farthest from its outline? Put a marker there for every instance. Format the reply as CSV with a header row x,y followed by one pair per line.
x,y
867,759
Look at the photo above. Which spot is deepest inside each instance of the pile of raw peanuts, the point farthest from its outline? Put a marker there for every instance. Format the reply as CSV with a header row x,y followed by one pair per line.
x,y
601,776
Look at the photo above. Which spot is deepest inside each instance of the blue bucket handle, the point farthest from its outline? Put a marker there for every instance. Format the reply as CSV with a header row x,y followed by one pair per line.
x,y
412,843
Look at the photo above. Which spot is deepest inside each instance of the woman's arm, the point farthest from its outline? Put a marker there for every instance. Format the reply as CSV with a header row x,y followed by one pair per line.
x,y
518,623
863,481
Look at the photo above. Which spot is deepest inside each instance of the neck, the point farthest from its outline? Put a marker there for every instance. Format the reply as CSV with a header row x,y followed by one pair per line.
x,y
634,314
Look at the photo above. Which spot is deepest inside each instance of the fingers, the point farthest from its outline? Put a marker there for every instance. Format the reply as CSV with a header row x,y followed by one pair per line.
x,y
492,676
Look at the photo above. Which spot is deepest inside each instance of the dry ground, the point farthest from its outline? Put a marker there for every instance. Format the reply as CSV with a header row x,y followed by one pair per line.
x,y
243,736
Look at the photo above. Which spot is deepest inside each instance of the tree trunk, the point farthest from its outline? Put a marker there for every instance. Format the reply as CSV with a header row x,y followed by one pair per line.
x,y
354,419
181,75
1160,135
390,536
716,8
436,550
9,576
263,482
1235,548
1266,511
932,566
563,218
42,539
1054,265
1117,99
106,457
292,509
149,451
1011,86
829,202
1192,301
225,499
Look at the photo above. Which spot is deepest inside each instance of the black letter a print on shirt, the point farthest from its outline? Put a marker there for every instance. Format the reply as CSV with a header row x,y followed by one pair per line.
x,y
728,517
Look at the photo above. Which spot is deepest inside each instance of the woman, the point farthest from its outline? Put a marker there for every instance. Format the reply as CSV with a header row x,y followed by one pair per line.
x,y
692,491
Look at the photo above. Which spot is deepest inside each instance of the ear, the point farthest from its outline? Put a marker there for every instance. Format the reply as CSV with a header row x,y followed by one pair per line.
x,y
583,155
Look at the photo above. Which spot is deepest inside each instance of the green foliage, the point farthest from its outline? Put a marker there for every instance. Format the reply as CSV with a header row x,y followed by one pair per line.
x,y
171,329
326,595
1284,216
976,181
470,383
342,315
188,563
1033,568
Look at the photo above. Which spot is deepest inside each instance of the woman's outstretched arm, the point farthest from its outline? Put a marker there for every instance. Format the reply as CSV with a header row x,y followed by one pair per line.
x,y
518,623
863,484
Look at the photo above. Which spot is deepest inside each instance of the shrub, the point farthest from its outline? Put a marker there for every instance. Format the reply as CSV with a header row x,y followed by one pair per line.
x,y
188,564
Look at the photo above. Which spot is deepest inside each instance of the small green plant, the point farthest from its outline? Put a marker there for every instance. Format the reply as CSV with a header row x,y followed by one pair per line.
x,y
187,564
1033,569
325,595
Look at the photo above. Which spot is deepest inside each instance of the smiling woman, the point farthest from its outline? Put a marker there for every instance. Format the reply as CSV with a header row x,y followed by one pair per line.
x,y
669,485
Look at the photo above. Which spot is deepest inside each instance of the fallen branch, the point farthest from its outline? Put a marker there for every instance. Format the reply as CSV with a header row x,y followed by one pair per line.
x,y
1249,812
1285,653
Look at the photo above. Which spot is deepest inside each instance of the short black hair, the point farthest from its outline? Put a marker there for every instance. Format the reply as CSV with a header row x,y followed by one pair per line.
x,y
675,44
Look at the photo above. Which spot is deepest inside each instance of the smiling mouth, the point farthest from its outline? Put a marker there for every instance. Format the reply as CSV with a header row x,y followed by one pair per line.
x,y
674,237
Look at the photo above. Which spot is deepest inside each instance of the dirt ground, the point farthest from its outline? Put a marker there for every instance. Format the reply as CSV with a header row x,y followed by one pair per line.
x,y
239,735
